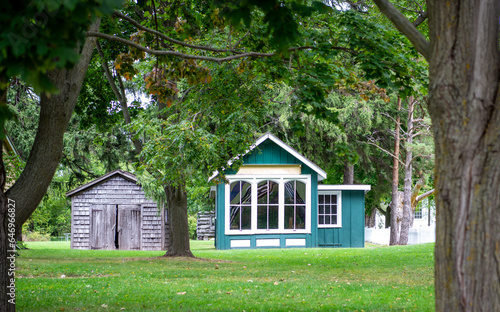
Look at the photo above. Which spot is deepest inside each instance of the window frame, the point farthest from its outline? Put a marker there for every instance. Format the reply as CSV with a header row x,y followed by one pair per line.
x,y
281,180
339,209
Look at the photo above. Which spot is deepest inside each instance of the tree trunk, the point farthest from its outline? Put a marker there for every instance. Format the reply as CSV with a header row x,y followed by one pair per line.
x,y
348,174
405,225
464,105
395,183
388,215
29,189
465,109
55,113
179,227
370,220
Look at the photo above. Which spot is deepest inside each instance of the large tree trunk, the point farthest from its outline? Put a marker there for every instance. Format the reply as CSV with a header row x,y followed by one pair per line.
x,y
465,108
464,105
179,227
395,182
407,213
29,189
55,113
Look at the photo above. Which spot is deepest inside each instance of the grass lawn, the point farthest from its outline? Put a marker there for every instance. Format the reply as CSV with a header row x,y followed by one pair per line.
x,y
52,277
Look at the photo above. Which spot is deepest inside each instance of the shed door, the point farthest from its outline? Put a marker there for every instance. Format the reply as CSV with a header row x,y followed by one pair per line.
x,y
102,227
129,227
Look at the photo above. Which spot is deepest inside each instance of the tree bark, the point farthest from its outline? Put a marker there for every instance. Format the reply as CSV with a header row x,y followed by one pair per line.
x,y
29,189
55,113
464,105
405,224
465,108
179,227
395,183
348,174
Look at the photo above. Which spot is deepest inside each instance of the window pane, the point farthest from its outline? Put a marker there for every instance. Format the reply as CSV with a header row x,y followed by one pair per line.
x,y
246,218
334,209
289,218
234,193
321,220
327,199
327,220
321,199
321,209
273,217
235,217
334,220
246,193
262,192
289,192
300,217
327,209
262,217
300,193
273,192
334,199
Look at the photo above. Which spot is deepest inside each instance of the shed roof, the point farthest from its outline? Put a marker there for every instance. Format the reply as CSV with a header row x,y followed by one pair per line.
x,y
269,136
124,174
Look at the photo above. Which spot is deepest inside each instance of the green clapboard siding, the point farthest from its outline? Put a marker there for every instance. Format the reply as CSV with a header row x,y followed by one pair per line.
x,y
352,232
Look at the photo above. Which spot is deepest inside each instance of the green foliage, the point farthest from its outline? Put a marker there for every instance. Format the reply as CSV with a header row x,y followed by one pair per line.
x,y
42,35
293,279
192,220
52,217
192,138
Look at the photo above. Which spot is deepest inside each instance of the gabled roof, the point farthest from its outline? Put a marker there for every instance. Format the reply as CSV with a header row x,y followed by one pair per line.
x,y
124,174
268,136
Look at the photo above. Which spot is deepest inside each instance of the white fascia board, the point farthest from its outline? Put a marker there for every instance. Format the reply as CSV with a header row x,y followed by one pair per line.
x,y
286,147
344,187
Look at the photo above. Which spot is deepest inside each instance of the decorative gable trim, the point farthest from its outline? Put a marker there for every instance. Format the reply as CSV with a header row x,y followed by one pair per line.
x,y
268,136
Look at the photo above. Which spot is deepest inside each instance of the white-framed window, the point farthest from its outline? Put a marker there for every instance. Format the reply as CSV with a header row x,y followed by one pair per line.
x,y
418,212
240,198
295,205
267,205
329,209
272,203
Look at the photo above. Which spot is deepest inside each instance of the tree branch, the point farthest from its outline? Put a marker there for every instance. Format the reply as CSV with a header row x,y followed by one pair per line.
x,y
184,55
384,150
420,19
172,40
404,26
424,195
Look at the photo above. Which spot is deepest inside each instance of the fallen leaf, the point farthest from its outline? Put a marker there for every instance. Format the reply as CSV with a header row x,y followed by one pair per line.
x,y
181,293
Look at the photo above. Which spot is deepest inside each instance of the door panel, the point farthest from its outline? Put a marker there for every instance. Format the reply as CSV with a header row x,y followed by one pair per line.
x,y
102,227
129,227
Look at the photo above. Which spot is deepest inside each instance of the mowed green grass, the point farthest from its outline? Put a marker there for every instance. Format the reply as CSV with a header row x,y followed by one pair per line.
x,y
365,279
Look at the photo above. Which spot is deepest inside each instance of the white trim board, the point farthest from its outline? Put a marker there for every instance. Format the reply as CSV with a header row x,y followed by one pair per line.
x,y
344,187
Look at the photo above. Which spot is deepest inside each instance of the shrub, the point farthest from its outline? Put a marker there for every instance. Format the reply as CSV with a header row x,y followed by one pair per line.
x,y
35,236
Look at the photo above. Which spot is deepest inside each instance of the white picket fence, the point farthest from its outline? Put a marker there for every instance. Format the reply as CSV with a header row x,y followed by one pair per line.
x,y
421,235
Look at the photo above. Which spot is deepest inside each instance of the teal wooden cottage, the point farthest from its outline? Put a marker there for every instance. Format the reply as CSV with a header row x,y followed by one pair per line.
x,y
275,201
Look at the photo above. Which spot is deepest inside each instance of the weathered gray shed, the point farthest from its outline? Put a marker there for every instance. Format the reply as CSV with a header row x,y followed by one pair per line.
x,y
112,212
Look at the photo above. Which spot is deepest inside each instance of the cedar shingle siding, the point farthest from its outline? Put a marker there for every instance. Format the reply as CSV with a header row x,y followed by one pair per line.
x,y
113,210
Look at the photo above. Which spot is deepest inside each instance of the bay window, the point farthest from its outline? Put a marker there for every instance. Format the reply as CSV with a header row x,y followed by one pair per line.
x,y
268,204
